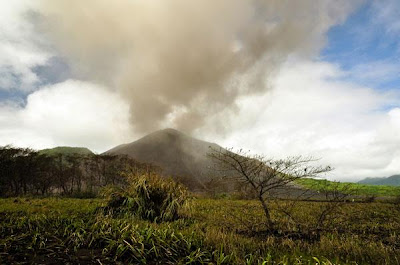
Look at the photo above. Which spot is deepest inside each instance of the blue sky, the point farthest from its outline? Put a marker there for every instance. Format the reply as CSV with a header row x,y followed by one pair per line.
x,y
367,41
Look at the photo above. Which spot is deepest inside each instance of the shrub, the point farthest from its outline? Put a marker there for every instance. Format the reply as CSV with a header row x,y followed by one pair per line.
x,y
150,197
370,199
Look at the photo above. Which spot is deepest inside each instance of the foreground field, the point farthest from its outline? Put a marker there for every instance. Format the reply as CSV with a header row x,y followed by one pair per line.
x,y
74,231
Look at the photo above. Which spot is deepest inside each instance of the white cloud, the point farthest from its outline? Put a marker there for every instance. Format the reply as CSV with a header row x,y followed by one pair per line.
x,y
309,112
19,46
72,113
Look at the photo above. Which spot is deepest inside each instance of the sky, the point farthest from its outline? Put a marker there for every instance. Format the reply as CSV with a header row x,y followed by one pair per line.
x,y
276,79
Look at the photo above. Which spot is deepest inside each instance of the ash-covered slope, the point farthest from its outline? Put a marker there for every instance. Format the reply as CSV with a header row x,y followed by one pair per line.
x,y
176,153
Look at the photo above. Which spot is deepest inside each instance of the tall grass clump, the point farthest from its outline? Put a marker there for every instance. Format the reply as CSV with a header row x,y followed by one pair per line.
x,y
150,197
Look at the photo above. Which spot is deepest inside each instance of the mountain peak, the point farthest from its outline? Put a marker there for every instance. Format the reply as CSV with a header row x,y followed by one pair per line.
x,y
177,153
171,130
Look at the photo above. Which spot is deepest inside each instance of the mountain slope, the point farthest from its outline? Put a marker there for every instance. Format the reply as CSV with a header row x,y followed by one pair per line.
x,y
66,150
175,152
390,181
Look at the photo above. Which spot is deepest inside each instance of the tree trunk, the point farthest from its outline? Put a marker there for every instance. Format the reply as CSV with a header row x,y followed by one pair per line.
x,y
270,224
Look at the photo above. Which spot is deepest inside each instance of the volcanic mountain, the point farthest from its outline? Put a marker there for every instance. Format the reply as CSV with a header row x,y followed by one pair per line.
x,y
185,158
176,153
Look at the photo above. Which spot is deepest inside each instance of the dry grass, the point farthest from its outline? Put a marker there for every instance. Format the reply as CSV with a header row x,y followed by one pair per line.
x,y
48,231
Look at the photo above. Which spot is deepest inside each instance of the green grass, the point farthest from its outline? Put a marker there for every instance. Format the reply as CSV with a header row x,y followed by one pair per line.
x,y
56,230
359,189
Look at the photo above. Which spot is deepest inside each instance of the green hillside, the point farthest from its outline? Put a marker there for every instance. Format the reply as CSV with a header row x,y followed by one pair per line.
x,y
359,189
66,150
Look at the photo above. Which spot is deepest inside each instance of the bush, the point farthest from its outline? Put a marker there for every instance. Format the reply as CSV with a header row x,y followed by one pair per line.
x,y
150,197
370,199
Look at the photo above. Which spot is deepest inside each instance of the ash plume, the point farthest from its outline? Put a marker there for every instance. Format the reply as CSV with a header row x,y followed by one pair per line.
x,y
178,62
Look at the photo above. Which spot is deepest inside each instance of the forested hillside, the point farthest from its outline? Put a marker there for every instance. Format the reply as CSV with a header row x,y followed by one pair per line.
x,y
24,171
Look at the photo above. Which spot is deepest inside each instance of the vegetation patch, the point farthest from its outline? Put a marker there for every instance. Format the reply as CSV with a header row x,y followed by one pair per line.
x,y
148,196
359,189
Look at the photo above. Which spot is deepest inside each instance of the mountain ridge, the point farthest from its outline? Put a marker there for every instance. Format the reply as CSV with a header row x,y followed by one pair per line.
x,y
393,180
66,150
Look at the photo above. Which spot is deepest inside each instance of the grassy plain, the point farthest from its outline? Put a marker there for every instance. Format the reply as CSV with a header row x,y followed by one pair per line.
x,y
358,189
211,231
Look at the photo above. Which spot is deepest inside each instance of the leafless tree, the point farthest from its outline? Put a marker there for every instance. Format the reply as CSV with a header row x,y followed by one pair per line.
x,y
265,176
336,195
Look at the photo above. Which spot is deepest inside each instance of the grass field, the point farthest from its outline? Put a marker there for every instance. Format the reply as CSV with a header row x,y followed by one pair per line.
x,y
358,189
59,230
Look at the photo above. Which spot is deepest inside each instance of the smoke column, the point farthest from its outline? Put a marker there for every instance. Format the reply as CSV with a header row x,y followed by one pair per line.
x,y
182,61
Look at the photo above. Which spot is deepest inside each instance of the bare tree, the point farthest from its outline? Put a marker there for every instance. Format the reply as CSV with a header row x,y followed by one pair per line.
x,y
265,176
336,195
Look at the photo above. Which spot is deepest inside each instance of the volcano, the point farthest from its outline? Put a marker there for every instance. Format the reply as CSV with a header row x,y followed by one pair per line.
x,y
176,153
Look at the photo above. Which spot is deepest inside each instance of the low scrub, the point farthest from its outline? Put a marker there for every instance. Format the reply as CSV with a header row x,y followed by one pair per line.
x,y
149,197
